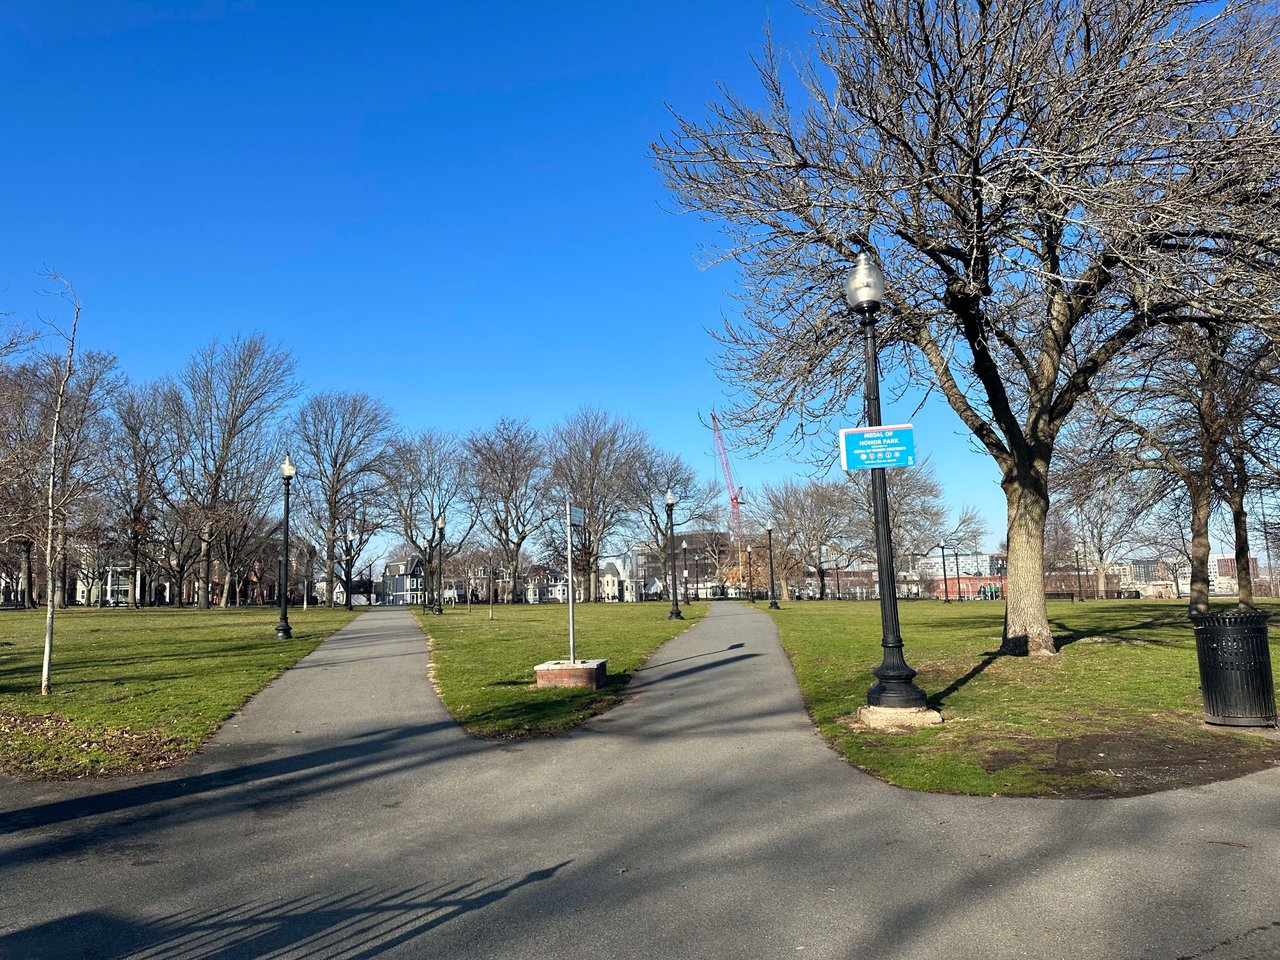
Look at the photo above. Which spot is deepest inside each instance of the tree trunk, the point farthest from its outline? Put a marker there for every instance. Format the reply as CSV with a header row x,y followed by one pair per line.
x,y
29,577
205,567
1026,622
1244,575
330,566
60,590
1201,505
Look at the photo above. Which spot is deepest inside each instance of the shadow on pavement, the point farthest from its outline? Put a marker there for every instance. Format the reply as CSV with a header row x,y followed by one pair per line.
x,y
363,923
223,791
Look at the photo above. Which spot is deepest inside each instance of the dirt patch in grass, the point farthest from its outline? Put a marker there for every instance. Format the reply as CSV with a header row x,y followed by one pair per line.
x,y
48,746
1133,762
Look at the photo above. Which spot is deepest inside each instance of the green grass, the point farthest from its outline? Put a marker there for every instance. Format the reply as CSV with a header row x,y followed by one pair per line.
x,y
484,668
136,689
1124,686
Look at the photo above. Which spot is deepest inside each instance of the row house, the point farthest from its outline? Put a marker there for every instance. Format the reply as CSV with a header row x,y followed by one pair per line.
x,y
403,583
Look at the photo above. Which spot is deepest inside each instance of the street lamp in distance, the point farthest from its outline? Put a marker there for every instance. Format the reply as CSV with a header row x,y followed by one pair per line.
x,y
946,590
751,583
684,568
773,587
439,606
283,630
675,613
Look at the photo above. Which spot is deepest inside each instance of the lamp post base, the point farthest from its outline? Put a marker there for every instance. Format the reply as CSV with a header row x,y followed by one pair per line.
x,y
283,631
898,718
773,605
675,615
897,694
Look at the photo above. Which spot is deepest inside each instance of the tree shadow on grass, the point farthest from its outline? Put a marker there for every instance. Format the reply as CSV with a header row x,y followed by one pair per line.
x,y
1064,636
939,699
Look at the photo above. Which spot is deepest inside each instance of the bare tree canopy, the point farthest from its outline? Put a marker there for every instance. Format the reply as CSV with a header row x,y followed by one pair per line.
x,y
1046,182
344,448
593,464
510,467
223,413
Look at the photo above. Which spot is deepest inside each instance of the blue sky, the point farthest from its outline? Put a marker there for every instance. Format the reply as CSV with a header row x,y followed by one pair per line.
x,y
450,206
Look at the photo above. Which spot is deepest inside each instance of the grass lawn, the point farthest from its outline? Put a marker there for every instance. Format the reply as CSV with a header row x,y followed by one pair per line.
x,y
1117,712
484,668
136,689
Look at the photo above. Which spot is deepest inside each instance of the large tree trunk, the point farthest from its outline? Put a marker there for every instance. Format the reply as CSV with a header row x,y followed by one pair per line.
x,y
1026,622
1201,505
1244,575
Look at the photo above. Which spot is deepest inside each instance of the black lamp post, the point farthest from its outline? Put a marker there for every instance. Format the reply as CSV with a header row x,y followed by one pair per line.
x,y
671,555
751,582
1079,577
773,588
864,291
684,568
946,594
283,630
439,607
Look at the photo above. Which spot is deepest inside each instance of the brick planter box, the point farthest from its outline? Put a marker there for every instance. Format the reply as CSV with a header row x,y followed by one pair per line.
x,y
572,673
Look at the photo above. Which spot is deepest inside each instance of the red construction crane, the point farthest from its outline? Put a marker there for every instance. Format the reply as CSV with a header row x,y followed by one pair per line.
x,y
735,492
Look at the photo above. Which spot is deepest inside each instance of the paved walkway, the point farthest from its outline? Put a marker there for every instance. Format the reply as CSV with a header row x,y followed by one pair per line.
x,y
344,815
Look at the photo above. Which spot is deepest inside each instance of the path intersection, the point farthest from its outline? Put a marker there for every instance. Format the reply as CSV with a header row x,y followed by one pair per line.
x,y
343,814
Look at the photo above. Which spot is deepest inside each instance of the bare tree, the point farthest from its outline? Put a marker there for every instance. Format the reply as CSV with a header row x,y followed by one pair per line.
x,y
510,467
655,471
807,517
1104,502
426,491
54,503
222,413
1047,181
1198,407
345,442
136,472
593,464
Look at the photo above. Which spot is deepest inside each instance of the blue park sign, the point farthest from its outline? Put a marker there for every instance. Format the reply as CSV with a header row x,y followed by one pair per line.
x,y
866,448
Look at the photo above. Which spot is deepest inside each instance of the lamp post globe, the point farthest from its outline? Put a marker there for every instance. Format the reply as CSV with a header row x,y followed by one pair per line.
x,y
675,613
283,630
864,291
773,588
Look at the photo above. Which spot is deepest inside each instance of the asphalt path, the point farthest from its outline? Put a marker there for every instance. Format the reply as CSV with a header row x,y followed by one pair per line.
x,y
343,814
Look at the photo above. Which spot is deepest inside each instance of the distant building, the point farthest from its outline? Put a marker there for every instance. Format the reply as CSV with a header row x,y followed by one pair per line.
x,y
402,582
1222,573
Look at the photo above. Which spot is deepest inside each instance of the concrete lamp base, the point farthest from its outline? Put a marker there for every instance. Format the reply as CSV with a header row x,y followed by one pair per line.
x,y
898,718
572,673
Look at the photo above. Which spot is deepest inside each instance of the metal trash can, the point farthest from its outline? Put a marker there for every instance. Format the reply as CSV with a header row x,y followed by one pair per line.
x,y
1235,668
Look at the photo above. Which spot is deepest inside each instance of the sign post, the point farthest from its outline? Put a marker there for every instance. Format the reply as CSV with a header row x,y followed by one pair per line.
x,y
573,515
